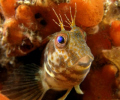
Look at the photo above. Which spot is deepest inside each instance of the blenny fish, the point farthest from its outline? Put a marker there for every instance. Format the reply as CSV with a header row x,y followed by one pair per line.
x,y
67,61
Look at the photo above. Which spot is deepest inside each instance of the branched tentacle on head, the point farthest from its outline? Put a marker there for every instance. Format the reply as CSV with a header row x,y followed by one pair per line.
x,y
60,21
70,23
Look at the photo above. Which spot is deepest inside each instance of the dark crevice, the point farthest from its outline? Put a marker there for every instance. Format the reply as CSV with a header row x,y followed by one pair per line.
x,y
37,15
43,22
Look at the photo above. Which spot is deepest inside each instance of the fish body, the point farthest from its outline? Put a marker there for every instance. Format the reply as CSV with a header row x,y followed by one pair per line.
x,y
70,62
67,61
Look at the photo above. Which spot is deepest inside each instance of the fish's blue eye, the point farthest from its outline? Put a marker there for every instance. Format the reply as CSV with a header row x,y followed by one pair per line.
x,y
60,39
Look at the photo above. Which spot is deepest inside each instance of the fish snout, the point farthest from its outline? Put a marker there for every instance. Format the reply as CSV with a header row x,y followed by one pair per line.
x,y
85,61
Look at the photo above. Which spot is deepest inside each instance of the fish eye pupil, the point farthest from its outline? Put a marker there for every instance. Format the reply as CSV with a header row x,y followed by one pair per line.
x,y
60,39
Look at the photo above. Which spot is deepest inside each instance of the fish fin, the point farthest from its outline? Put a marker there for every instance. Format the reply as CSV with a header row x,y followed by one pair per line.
x,y
66,94
78,90
25,83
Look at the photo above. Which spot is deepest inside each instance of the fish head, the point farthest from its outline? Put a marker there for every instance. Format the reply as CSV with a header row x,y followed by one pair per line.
x,y
68,55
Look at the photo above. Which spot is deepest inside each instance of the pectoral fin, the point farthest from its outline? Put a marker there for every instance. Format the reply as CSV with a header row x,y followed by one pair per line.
x,y
66,94
24,84
78,90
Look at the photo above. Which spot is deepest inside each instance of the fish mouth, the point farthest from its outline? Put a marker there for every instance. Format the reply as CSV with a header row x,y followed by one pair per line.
x,y
84,61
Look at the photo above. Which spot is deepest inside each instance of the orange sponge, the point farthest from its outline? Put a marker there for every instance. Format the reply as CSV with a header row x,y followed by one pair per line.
x,y
2,97
99,83
115,33
12,32
89,12
8,7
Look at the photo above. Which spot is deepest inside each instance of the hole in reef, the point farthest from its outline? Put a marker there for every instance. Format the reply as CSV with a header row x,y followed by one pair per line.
x,y
26,46
43,22
38,15
40,19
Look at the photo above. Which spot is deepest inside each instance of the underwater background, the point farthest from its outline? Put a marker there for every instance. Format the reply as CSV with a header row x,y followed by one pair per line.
x,y
27,28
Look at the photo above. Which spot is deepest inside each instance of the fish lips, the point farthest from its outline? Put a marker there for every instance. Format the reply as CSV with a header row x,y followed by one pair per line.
x,y
84,61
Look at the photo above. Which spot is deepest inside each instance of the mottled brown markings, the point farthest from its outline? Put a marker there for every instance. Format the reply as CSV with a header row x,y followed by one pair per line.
x,y
51,48
68,61
73,56
59,50
78,72
65,56
52,68
69,78
75,49
52,57
56,70
79,43
60,78
51,63
62,62
62,74
62,51
48,68
57,60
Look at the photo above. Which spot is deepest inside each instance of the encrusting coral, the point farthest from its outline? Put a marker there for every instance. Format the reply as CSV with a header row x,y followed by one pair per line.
x,y
97,83
27,25
115,32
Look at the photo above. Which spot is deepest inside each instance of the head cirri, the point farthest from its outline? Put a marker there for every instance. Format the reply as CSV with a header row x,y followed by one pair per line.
x,y
67,58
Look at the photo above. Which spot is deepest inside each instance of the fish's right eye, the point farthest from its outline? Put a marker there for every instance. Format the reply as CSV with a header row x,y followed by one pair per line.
x,y
61,40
